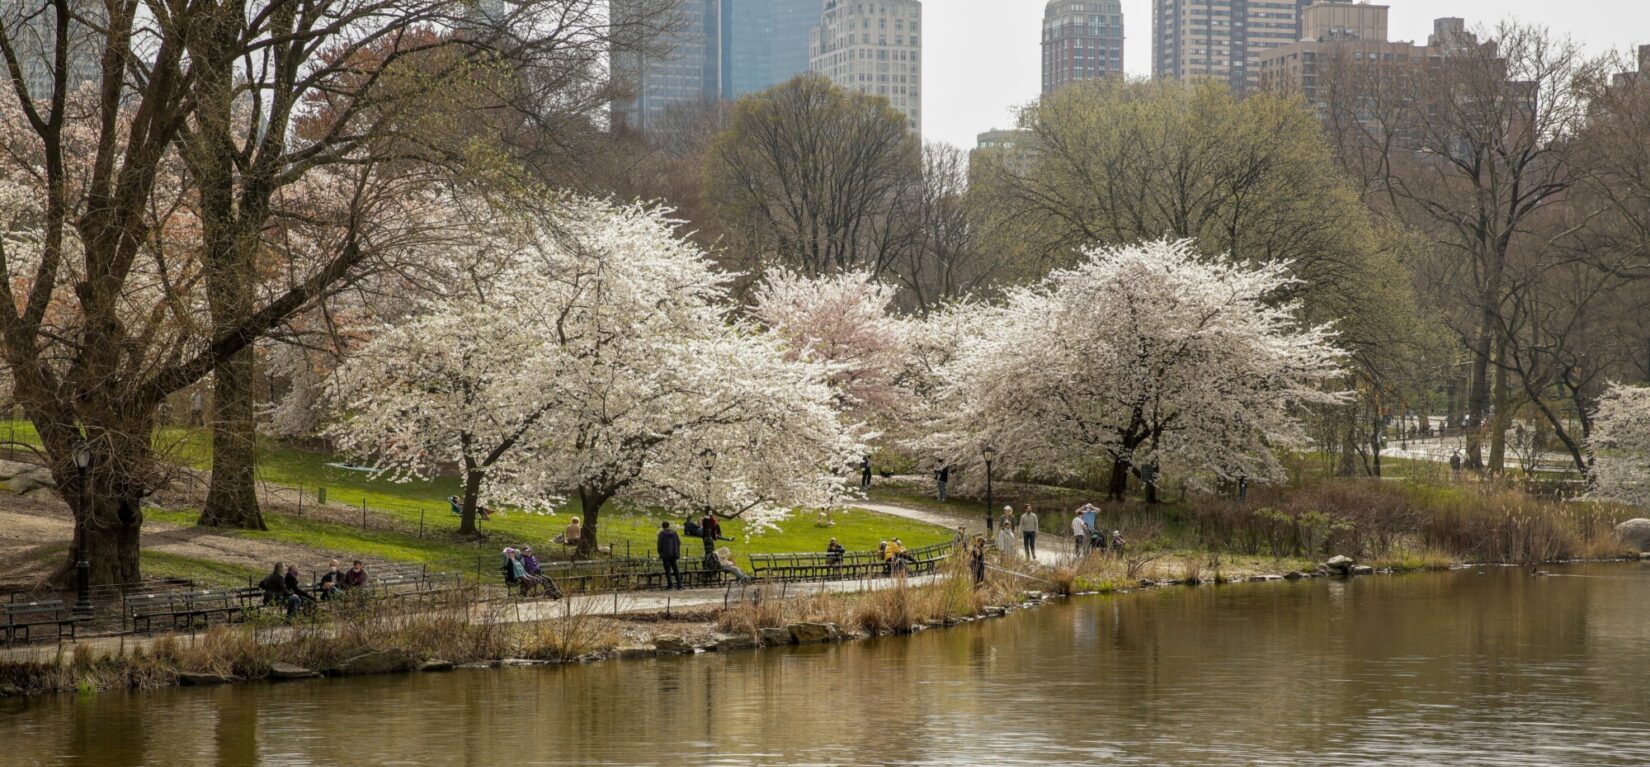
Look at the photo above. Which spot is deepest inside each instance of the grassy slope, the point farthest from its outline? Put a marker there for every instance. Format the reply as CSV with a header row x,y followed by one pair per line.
x,y
395,509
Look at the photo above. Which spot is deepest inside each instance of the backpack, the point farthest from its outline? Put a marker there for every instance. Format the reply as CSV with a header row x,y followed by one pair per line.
x,y
692,528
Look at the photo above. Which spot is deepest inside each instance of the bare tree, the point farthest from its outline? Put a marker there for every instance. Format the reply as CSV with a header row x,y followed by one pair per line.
x,y
813,177
105,326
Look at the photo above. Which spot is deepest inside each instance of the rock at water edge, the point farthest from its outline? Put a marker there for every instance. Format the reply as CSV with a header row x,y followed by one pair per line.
x,y
1340,563
289,671
671,643
375,662
806,633
204,679
1635,533
775,636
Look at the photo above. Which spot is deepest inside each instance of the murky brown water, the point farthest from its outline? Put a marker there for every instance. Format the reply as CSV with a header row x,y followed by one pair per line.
x,y
1490,667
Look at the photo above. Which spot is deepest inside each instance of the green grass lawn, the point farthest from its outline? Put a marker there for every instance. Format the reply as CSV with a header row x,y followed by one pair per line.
x,y
396,509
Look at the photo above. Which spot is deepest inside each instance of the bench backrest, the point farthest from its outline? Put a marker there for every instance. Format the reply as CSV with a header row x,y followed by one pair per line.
x,y
24,609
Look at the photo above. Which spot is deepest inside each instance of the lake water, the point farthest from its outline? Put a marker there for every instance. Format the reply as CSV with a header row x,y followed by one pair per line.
x,y
1474,667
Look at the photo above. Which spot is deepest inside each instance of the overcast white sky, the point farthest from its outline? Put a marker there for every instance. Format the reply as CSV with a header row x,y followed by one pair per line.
x,y
981,58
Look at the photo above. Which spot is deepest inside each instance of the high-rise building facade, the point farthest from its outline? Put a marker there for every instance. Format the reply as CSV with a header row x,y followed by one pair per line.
x,y
873,47
715,50
1082,40
32,28
1220,40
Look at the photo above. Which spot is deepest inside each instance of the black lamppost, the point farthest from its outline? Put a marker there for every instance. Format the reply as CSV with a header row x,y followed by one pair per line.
x,y
82,454
990,454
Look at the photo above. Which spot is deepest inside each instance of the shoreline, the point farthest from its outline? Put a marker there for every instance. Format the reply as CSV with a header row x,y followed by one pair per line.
x,y
640,635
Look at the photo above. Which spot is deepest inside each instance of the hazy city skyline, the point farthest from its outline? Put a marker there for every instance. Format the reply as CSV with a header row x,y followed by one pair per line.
x,y
982,58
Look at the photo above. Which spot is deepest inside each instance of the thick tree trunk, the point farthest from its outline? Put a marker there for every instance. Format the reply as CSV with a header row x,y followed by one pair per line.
x,y
471,500
1478,399
1499,423
107,497
1118,485
232,498
590,503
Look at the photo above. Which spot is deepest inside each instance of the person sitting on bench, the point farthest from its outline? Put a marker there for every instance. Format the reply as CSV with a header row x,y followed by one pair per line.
x,y
533,575
356,576
274,585
332,581
833,553
295,594
722,559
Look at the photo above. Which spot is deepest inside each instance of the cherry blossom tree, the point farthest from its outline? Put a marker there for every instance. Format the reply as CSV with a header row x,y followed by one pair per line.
x,y
601,365
1620,446
1141,356
842,321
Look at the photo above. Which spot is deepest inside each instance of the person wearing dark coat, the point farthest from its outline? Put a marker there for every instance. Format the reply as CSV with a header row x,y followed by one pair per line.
x,y
670,550
274,585
295,594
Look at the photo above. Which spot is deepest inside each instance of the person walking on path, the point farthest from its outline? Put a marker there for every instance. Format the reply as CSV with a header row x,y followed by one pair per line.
x,y
1005,532
1028,532
670,550
1079,533
942,475
865,473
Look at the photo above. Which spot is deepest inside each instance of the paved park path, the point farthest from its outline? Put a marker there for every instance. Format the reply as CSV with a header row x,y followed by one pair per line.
x,y
516,611
1051,548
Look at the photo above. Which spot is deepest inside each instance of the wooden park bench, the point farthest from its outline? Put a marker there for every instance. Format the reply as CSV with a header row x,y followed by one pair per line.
x,y
22,617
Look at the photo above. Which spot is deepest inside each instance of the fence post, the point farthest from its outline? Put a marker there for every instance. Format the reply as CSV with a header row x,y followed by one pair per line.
x,y
421,523
321,495
363,513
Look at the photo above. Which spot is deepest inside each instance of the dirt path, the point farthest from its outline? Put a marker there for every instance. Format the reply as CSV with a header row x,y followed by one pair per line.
x,y
33,533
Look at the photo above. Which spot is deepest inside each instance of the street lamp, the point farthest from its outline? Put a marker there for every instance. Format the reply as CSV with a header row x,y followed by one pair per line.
x,y
990,453
82,454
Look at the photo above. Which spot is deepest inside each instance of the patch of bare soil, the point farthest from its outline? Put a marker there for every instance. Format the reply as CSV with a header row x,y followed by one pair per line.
x,y
33,530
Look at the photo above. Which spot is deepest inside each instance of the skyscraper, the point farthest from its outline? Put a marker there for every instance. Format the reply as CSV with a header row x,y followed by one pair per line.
x,y
1082,40
873,47
32,28
715,49
1220,39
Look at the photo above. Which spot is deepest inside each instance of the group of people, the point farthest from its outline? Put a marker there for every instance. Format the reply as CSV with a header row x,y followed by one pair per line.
x,y
522,571
283,587
893,552
708,529
1087,534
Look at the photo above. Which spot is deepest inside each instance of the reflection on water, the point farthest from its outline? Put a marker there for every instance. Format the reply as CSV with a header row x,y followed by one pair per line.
x,y
1481,667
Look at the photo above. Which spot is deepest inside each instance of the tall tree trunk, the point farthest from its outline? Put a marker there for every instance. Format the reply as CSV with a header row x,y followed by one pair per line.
x,y
232,498
230,228
1501,420
1478,398
107,498
472,498
1118,485
590,503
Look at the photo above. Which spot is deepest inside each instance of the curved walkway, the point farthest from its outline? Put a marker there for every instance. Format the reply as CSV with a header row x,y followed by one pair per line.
x,y
1051,548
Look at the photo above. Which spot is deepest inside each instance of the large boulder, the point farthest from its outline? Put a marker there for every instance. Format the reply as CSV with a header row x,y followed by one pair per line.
x,y
1635,533
1340,563
204,678
775,636
375,662
806,633
289,671
671,643
32,481
735,642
